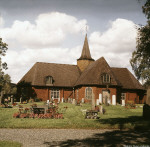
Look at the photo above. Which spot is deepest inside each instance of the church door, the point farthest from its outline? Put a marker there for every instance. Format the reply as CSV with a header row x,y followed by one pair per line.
x,y
106,97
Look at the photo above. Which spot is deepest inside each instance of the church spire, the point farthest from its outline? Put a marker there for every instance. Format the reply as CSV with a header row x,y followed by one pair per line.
x,y
85,60
85,51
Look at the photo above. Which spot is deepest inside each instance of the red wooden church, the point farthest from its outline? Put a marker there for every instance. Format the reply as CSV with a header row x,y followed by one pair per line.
x,y
62,82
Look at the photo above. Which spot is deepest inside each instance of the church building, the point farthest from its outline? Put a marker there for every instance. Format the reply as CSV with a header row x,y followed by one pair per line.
x,y
84,81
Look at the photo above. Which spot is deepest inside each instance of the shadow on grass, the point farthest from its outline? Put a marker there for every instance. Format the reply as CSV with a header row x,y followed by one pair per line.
x,y
109,138
131,122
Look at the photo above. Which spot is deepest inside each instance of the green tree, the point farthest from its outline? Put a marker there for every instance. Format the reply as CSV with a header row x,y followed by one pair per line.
x,y
3,77
140,60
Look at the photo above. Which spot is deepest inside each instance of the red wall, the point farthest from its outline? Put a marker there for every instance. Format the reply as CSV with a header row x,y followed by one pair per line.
x,y
44,94
96,92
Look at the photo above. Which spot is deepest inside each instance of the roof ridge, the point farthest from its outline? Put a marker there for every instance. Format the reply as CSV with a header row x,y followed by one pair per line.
x,y
131,77
119,67
57,63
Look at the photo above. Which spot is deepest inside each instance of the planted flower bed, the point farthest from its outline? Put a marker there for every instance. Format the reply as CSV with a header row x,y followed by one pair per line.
x,y
34,112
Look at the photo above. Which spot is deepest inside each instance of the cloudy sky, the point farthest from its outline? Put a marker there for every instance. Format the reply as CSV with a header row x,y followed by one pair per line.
x,y
54,30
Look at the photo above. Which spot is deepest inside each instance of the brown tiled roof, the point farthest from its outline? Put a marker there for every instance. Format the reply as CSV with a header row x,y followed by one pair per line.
x,y
126,78
92,75
86,51
63,74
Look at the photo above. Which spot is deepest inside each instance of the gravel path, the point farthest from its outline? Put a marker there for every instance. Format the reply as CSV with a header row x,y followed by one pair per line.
x,y
71,137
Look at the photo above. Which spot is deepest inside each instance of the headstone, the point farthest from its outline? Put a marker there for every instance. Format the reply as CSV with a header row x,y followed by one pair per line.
x,y
101,109
123,102
82,100
74,102
69,100
97,102
113,99
58,100
12,100
62,99
100,98
21,100
106,101
146,107
47,101
93,102
9,99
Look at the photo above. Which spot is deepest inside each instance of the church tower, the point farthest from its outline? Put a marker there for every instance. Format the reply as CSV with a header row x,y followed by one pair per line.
x,y
85,58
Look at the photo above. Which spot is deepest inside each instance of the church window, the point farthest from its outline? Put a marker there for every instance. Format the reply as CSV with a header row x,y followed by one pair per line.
x,y
55,94
123,96
106,78
49,80
88,93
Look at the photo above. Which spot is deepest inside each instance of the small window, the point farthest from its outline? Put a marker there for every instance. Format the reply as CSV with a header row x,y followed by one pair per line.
x,y
88,93
55,94
106,78
123,96
49,80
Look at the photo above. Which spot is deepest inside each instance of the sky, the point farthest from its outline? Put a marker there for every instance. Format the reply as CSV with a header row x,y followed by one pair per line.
x,y
53,31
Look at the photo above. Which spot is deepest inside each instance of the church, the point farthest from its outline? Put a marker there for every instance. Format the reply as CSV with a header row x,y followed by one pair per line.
x,y
87,79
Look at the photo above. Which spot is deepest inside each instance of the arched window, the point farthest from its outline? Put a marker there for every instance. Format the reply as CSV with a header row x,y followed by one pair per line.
x,y
49,80
106,78
88,93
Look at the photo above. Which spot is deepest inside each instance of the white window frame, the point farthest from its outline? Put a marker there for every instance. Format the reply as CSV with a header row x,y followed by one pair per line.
x,y
55,94
106,78
87,93
123,96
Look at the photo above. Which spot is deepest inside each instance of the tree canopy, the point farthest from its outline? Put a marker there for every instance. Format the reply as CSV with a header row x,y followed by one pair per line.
x,y
5,80
140,60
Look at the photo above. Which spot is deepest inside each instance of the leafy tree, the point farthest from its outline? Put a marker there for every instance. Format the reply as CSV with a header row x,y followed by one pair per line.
x,y
4,79
140,60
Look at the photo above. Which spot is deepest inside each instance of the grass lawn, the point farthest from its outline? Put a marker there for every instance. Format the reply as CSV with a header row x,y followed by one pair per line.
x,y
116,117
10,144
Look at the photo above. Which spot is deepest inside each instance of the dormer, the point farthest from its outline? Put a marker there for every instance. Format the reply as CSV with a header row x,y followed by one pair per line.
x,y
49,81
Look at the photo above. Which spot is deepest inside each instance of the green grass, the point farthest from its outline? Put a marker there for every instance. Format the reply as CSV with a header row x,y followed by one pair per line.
x,y
10,144
116,117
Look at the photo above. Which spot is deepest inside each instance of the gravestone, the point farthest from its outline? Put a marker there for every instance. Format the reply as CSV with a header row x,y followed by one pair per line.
x,y
69,100
21,100
101,109
100,98
62,99
82,100
146,107
113,99
74,102
97,102
93,102
123,103
12,100
106,100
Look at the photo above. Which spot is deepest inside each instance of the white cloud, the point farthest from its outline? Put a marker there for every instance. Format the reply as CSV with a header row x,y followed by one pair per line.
x,y
1,22
116,44
42,42
50,29
20,62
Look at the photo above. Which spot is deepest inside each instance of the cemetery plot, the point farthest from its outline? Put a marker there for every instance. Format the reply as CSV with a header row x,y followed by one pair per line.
x,y
34,112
